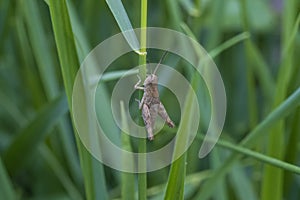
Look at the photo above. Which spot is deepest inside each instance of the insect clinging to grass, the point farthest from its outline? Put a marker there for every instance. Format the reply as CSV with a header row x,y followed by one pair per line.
x,y
150,104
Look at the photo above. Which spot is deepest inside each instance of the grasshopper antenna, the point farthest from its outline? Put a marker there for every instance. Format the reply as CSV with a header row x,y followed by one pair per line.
x,y
148,62
164,55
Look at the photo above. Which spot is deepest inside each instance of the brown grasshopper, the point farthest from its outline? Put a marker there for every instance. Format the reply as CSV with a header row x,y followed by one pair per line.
x,y
150,103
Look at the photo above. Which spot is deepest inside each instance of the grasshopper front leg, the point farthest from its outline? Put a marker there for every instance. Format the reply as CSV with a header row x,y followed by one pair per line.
x,y
140,103
136,86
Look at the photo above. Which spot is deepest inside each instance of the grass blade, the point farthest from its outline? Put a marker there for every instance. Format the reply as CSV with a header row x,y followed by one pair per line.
x,y
229,43
29,138
262,72
278,114
44,58
175,184
252,104
272,187
142,162
65,44
42,52
256,155
6,189
93,170
60,172
127,185
123,21
216,159
174,13
190,7
222,47
239,180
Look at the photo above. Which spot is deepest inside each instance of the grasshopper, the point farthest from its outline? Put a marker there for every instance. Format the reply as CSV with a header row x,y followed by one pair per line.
x,y
150,103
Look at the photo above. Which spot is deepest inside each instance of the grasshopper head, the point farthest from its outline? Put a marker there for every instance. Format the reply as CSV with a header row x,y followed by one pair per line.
x,y
151,79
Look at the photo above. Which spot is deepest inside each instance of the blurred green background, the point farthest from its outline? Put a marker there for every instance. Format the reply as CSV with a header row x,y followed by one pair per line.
x,y
254,43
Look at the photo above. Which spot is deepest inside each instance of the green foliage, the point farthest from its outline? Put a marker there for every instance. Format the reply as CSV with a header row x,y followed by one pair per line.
x,y
253,42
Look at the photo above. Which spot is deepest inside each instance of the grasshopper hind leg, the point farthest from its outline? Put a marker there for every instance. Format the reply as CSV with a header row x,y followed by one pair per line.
x,y
163,113
148,121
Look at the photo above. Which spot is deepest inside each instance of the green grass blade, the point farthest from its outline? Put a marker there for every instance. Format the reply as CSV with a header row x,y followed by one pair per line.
x,y
190,7
291,39
257,65
252,103
60,172
262,71
292,148
229,43
128,184
31,81
65,44
6,189
174,13
93,171
175,184
34,133
11,109
241,184
272,187
222,47
215,32
41,50
44,58
109,76
81,40
83,49
256,155
5,8
142,162
51,160
278,114
260,67
123,21
216,160
191,183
